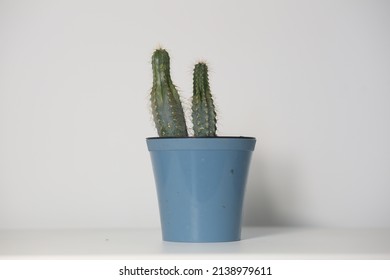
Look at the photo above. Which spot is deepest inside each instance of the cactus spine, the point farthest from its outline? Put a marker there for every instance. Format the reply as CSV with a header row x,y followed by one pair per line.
x,y
203,111
167,110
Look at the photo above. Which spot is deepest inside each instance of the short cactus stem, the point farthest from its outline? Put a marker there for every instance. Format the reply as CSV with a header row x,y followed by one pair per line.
x,y
167,110
204,118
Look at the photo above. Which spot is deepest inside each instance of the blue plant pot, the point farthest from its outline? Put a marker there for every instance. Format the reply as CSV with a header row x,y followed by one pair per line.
x,y
200,186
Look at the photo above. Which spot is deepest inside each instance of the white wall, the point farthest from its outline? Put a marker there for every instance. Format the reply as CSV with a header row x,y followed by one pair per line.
x,y
309,79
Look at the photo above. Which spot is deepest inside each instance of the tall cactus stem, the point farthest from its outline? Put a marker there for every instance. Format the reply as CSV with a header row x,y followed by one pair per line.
x,y
167,109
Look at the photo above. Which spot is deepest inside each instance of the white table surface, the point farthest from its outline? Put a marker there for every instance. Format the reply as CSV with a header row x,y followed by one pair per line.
x,y
257,243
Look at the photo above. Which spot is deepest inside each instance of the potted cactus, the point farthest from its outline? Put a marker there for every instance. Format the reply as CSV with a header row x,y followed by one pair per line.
x,y
200,179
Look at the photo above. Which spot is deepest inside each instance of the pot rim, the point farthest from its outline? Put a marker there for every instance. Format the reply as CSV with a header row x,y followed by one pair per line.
x,y
203,137
201,143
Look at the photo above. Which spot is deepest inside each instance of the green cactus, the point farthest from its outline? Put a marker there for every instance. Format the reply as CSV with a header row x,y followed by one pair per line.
x,y
167,110
203,111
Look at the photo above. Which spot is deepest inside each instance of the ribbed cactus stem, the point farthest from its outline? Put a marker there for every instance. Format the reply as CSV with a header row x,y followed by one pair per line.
x,y
167,110
203,111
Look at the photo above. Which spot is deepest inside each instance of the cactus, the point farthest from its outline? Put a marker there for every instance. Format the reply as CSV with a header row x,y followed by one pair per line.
x,y
203,110
167,110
